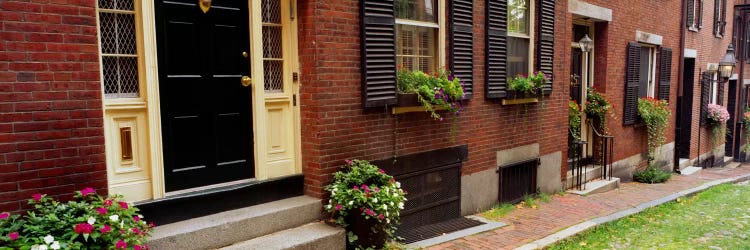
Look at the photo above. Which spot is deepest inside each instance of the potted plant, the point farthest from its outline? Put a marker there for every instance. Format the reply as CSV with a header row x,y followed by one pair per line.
x,y
574,119
367,202
526,87
439,90
655,113
597,107
89,221
717,116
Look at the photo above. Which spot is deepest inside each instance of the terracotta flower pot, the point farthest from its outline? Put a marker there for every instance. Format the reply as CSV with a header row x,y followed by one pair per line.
x,y
369,232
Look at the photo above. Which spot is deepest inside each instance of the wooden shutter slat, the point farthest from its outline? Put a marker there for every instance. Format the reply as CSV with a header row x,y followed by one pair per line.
x,y
705,96
665,73
378,45
690,13
462,43
720,94
632,82
497,49
546,52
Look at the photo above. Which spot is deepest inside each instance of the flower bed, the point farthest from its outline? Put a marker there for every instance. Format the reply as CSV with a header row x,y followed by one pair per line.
x,y
89,221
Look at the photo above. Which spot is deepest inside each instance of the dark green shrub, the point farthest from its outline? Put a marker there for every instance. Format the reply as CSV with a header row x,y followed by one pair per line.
x,y
652,175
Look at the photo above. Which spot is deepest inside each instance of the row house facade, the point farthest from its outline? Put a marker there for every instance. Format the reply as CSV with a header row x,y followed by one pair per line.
x,y
178,103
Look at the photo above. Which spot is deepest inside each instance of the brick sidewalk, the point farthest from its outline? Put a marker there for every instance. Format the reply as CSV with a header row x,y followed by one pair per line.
x,y
527,225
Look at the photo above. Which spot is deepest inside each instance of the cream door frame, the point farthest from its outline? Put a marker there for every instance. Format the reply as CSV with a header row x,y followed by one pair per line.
x,y
587,81
146,113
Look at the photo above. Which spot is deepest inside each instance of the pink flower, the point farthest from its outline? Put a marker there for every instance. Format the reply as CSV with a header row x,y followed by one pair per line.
x,y
102,211
381,216
381,171
87,191
369,212
121,245
13,235
123,205
107,203
37,197
136,247
136,230
4,215
84,228
136,218
151,224
356,188
338,207
105,229
349,162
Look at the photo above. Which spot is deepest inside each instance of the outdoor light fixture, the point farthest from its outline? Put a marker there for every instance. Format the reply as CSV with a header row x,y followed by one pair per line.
x,y
726,66
587,44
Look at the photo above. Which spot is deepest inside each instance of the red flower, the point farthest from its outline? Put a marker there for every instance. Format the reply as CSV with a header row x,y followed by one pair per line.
x,y
105,229
136,230
37,197
381,216
108,203
84,228
101,210
4,215
121,245
87,191
137,247
13,235
338,207
123,205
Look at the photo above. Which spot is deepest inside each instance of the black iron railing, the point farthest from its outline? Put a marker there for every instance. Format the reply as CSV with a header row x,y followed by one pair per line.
x,y
578,150
606,151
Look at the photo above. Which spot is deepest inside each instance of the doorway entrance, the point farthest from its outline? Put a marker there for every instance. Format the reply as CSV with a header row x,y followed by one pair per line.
x,y
685,113
205,110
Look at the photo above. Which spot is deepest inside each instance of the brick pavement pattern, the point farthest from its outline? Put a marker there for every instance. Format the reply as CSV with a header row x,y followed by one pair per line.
x,y
527,225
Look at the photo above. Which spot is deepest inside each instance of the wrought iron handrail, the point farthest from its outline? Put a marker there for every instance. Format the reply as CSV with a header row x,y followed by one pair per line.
x,y
607,151
578,164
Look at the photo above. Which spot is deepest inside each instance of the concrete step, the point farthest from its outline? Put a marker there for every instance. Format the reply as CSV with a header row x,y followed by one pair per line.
x,y
690,170
684,163
226,228
732,165
311,236
592,172
598,186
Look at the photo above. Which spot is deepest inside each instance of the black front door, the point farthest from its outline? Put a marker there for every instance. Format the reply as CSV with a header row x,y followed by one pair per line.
x,y
205,111
685,114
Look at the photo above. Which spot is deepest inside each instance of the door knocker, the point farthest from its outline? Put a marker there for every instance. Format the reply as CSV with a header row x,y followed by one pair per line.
x,y
205,5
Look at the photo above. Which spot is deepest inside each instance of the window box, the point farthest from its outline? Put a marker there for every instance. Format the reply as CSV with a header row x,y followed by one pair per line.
x,y
519,101
408,103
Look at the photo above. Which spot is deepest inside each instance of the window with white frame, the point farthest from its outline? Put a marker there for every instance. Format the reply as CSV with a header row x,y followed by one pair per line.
x,y
119,53
714,97
720,17
520,35
695,15
648,84
417,30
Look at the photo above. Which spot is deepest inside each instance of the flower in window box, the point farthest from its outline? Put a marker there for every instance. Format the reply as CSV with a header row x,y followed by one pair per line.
x,y
439,89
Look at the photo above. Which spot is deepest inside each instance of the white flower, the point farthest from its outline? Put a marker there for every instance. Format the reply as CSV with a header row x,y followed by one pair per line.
x,y
91,220
328,206
398,184
392,203
387,220
385,207
35,247
55,245
42,247
351,203
49,239
114,218
400,205
374,200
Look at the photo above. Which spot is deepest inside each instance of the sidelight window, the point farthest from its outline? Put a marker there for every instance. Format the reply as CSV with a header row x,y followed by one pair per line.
x,y
119,50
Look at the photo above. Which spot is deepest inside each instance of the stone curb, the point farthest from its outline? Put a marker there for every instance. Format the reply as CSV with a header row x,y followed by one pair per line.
x,y
583,226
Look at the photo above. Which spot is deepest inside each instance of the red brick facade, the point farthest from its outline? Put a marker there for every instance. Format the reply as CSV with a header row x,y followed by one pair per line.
x,y
51,136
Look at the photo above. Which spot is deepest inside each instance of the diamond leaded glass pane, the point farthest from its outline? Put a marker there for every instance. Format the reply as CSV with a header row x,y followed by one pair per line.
x,y
272,42
272,76
271,11
119,53
117,33
116,4
120,76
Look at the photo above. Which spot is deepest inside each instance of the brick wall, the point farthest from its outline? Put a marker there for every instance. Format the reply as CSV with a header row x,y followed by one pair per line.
x,y
710,50
51,136
610,57
337,128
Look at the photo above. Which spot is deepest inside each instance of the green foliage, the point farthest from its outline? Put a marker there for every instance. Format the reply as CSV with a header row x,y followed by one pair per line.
x,y
746,125
544,197
655,113
363,188
713,219
574,119
652,175
598,106
89,221
528,85
498,211
439,89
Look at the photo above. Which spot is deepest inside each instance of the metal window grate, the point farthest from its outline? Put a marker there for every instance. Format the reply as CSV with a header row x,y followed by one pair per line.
x,y
273,54
272,76
271,11
118,48
517,180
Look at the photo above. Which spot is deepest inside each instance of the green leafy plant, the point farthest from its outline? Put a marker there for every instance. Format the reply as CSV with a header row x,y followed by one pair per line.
x,y
746,125
438,89
362,189
598,106
652,175
655,113
89,221
574,119
528,85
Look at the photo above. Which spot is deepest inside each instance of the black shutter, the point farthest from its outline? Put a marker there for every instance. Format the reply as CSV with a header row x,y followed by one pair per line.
x,y
632,81
690,13
378,39
723,16
462,43
705,96
546,53
497,49
720,94
665,73
717,4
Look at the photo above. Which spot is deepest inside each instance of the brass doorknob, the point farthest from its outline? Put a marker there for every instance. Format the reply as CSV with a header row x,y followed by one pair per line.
x,y
246,81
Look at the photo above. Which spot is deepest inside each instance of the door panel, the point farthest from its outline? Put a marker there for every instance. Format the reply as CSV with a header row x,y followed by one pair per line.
x,y
205,110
